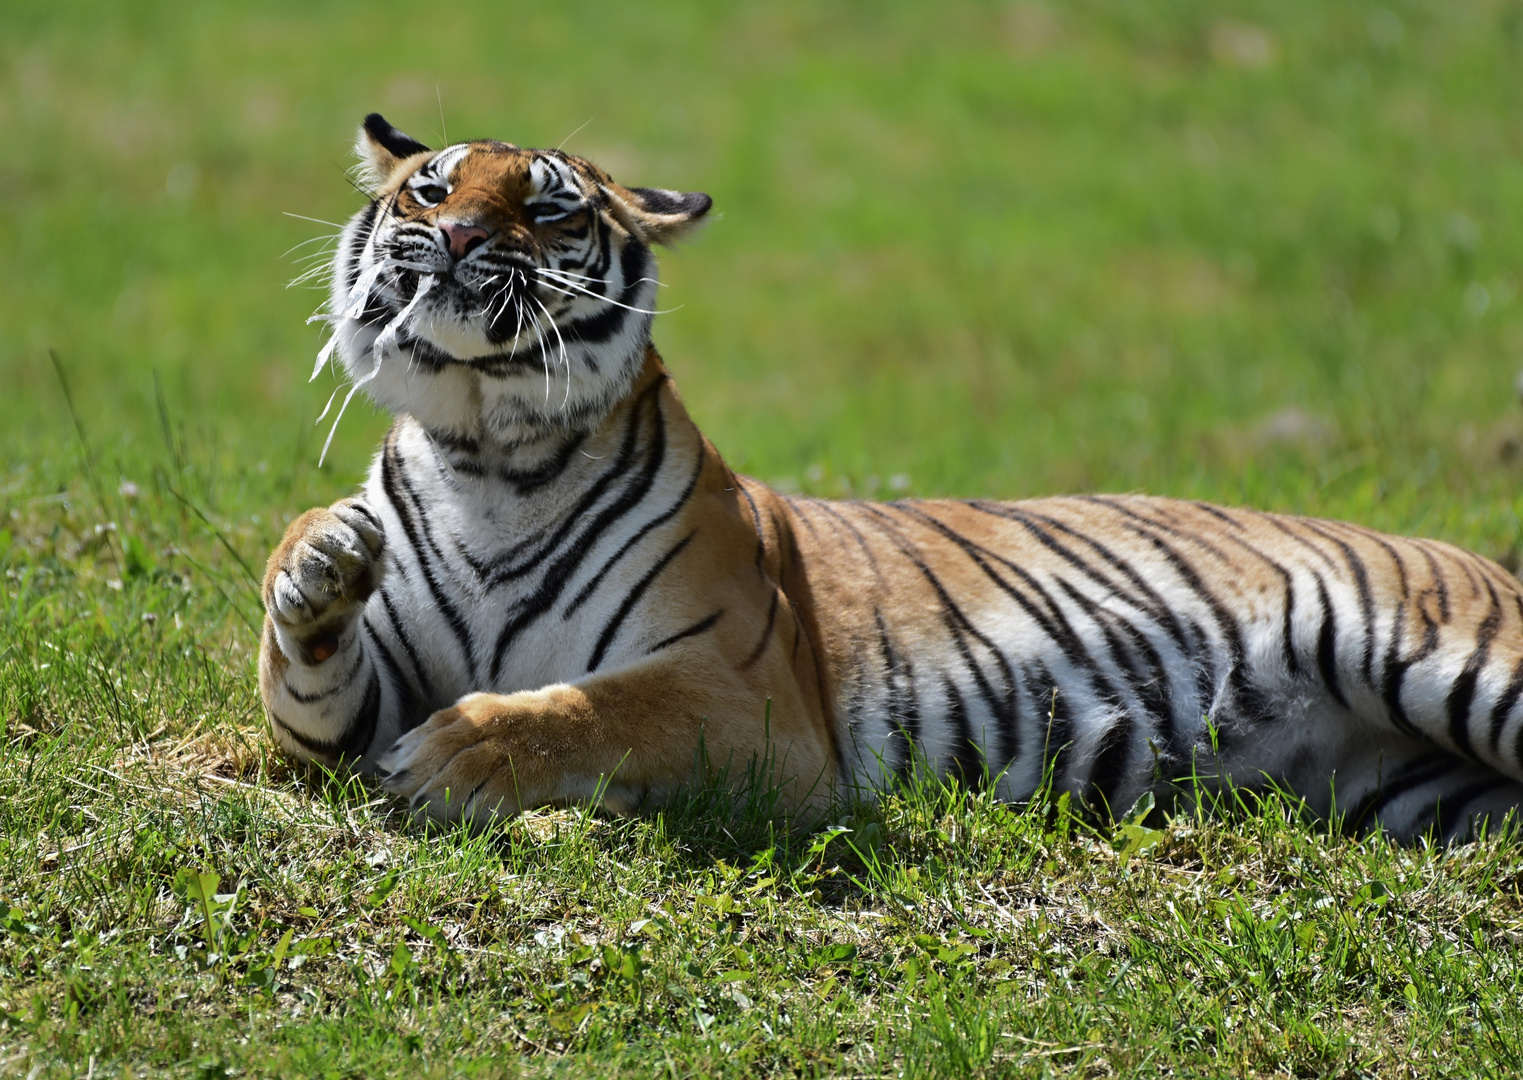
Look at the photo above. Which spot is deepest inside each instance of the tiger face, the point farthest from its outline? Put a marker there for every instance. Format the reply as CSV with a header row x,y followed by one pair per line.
x,y
496,292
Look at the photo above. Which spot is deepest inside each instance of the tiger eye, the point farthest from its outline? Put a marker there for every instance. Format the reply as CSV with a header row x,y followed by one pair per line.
x,y
545,211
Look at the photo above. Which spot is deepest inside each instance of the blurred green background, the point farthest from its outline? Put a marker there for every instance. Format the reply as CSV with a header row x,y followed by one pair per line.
x,y
1257,252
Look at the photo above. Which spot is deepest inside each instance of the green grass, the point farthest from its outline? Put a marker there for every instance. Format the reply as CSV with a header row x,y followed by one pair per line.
x,y
1256,252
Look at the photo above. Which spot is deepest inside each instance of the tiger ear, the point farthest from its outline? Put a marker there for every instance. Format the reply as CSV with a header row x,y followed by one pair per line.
x,y
381,148
657,215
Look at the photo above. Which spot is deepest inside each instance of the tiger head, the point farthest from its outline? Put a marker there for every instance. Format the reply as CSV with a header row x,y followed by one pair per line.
x,y
494,291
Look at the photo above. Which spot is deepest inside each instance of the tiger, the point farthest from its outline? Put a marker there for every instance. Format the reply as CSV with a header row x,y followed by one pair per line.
x,y
552,590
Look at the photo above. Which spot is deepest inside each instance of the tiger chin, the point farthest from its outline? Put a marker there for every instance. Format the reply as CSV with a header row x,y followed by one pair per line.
x,y
552,589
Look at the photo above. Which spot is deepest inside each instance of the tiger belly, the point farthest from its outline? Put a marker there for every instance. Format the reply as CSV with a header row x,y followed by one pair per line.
x,y
1130,644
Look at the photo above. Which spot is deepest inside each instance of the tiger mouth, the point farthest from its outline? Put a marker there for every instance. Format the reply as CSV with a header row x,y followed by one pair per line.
x,y
430,357
497,303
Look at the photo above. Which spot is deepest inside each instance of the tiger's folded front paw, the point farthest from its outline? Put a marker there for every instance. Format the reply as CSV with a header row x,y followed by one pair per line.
x,y
318,579
474,761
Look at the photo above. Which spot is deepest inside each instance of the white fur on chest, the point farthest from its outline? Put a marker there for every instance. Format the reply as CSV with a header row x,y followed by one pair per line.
x,y
486,583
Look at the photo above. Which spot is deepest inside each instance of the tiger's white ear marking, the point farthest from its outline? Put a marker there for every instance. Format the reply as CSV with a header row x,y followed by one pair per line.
x,y
381,148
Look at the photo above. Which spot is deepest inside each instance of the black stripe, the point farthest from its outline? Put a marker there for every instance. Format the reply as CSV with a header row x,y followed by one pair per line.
x,y
656,522
903,716
1052,703
341,685
454,442
1190,535
1283,524
407,709
1439,586
357,734
1204,663
1390,549
600,328
1248,698
312,746
504,568
1124,641
1462,694
364,226
1217,512
606,638
1108,771
697,628
796,505
1366,601
603,250
527,481
1288,607
1327,644
361,731
1396,667
910,719
1424,770
1287,625
1503,710
468,468
1449,810
1002,707
412,653
553,582
1475,587
756,523
393,478
840,521
967,764
761,646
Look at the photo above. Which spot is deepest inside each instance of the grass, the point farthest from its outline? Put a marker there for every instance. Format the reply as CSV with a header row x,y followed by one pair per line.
x,y
1255,252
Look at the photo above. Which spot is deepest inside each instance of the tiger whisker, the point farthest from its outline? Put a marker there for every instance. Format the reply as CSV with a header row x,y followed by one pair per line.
x,y
320,238
518,306
597,296
567,273
486,301
502,307
314,220
544,354
358,297
378,349
323,258
607,300
320,272
587,277
565,359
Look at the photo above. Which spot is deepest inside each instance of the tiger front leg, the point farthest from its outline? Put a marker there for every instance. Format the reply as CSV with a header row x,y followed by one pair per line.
x,y
320,687
616,739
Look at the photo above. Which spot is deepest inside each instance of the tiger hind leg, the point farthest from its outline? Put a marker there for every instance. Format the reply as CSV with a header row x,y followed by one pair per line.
x,y
1436,796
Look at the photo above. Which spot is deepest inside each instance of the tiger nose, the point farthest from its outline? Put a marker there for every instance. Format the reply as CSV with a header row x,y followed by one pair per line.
x,y
462,239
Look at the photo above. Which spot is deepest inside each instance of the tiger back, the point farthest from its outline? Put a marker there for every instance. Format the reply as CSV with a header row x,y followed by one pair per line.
x,y
553,589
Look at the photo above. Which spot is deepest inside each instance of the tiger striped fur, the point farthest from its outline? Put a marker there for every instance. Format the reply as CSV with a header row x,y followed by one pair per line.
x,y
552,588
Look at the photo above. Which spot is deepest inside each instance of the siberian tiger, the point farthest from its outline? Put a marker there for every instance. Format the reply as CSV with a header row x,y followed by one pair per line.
x,y
553,589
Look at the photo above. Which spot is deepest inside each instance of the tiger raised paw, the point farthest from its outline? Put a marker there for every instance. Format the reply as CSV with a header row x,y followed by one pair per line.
x,y
554,589
316,583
